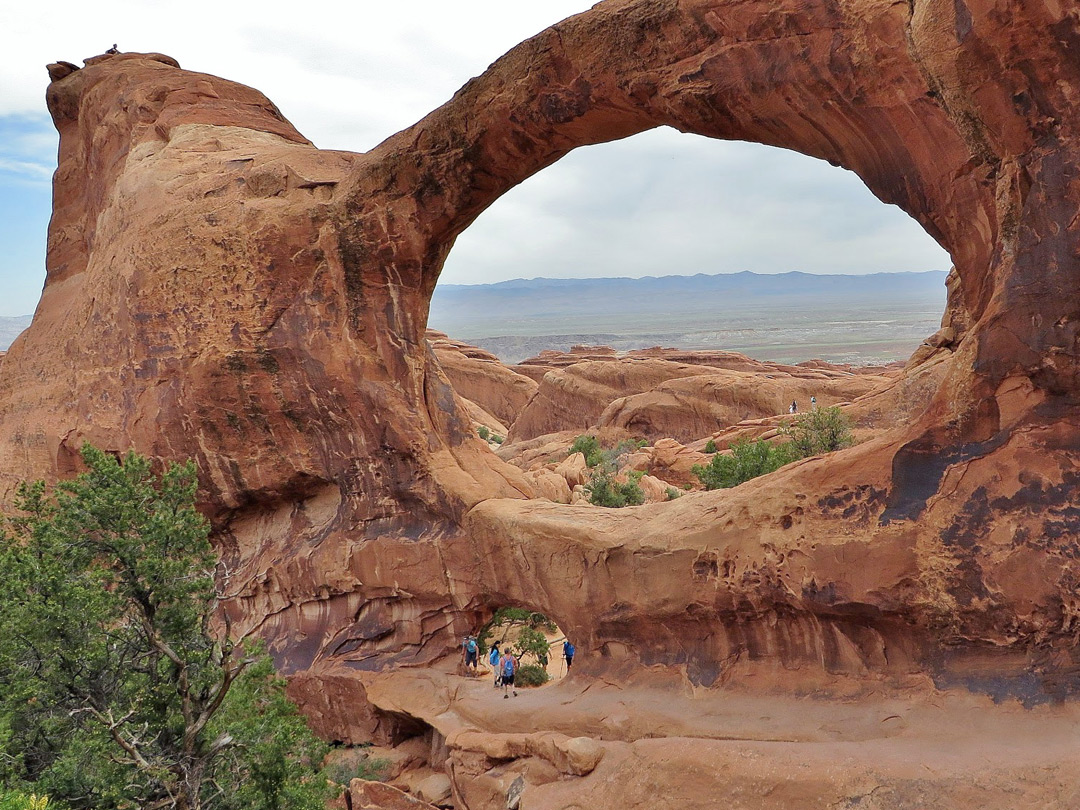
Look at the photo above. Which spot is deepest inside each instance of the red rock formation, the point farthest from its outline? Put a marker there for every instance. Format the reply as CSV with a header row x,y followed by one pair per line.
x,y
574,397
480,377
219,288
688,408
656,393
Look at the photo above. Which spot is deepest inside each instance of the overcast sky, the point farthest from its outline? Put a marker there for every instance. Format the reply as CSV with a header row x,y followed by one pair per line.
x,y
349,74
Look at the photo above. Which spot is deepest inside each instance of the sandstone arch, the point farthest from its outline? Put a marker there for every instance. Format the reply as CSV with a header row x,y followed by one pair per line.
x,y
273,329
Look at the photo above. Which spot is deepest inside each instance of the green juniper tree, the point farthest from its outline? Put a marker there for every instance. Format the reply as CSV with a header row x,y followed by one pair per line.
x,y
115,691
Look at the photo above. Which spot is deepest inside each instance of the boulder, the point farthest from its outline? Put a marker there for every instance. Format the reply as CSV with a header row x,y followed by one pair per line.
x,y
435,789
365,795
574,469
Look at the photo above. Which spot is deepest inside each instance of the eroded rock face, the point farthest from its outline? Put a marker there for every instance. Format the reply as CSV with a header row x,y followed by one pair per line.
x,y
218,288
479,376
670,393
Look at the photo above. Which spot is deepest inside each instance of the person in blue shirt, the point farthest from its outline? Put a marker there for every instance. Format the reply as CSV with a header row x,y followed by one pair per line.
x,y
470,651
493,659
508,667
568,653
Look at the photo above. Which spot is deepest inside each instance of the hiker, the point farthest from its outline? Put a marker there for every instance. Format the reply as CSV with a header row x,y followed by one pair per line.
x,y
813,403
470,652
794,407
568,651
508,667
493,659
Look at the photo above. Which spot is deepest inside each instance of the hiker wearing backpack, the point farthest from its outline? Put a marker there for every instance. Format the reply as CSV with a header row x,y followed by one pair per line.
x,y
568,651
493,659
508,667
470,651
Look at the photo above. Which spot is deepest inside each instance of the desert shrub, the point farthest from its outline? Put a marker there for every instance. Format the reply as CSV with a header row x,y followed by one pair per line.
x,y
358,766
495,437
672,493
747,460
604,490
588,446
533,642
483,432
710,446
531,675
821,430
510,616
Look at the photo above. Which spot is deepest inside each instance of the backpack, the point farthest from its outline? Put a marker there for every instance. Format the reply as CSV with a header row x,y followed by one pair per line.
x,y
470,645
568,650
509,665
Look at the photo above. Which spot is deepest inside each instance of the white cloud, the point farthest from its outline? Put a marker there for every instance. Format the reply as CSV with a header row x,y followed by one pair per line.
x,y
24,168
667,203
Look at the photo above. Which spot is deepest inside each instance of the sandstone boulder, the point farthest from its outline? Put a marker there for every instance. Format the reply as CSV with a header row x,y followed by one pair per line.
x,y
582,754
669,461
574,469
549,484
365,795
435,789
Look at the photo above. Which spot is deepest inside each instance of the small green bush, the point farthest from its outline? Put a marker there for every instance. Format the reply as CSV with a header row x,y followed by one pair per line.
x,y
483,433
672,493
604,490
821,430
588,446
710,446
747,460
531,675
495,437
533,642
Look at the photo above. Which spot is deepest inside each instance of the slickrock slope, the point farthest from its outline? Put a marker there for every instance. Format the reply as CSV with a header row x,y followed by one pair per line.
x,y
654,394
219,288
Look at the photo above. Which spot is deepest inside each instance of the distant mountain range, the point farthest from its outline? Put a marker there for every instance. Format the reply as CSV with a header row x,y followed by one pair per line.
x,y
786,317
11,327
871,318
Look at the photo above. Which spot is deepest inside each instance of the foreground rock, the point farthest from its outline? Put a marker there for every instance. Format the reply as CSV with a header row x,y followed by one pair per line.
x,y
657,744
